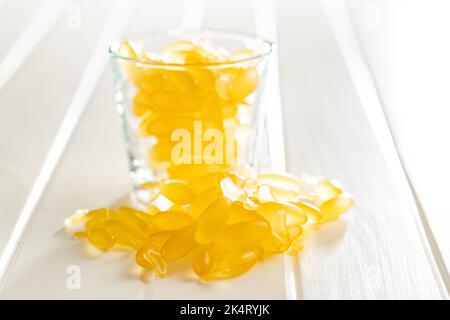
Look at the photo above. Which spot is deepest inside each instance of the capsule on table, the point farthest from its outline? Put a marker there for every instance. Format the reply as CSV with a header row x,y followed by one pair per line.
x,y
148,258
234,263
172,220
179,244
199,205
123,232
202,260
238,213
177,191
212,221
101,238
332,208
294,215
327,190
242,235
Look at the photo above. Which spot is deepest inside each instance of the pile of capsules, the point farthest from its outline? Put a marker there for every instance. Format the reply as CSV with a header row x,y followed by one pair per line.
x,y
199,83
224,227
221,216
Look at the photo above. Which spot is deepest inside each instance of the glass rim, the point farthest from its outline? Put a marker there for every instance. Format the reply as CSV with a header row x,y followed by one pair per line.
x,y
267,47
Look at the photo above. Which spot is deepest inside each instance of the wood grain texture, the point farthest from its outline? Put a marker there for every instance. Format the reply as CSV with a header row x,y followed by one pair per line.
x,y
33,104
375,250
416,107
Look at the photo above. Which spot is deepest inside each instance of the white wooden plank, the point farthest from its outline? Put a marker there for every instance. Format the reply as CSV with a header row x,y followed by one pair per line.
x,y
31,109
412,102
375,250
15,16
36,29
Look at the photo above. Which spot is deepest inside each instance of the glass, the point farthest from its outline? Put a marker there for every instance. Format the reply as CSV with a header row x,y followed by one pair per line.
x,y
184,116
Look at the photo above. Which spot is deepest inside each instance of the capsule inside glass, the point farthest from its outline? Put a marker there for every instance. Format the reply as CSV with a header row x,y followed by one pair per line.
x,y
189,104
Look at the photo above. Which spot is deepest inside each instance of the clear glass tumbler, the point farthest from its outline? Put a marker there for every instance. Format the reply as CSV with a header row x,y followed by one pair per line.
x,y
189,101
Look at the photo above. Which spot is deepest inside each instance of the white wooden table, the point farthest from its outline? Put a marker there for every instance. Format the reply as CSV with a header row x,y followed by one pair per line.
x,y
61,149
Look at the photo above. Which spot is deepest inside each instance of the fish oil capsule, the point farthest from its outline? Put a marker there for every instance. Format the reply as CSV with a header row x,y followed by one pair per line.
x,y
141,104
101,238
80,234
172,220
222,86
234,264
212,113
243,235
165,125
207,182
282,181
243,84
158,239
202,260
199,205
148,258
212,221
179,244
310,209
102,212
96,222
332,208
121,231
279,226
147,217
326,190
294,215
202,76
153,83
164,101
238,213
177,191
182,81
147,119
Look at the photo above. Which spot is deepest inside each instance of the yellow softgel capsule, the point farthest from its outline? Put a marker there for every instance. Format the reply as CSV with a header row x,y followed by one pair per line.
x,y
102,212
202,76
96,222
101,238
165,125
177,191
234,263
309,208
202,260
179,244
141,104
279,226
155,82
149,258
158,239
182,81
332,208
172,220
123,232
243,84
243,235
327,190
282,181
238,214
294,215
212,221
199,205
